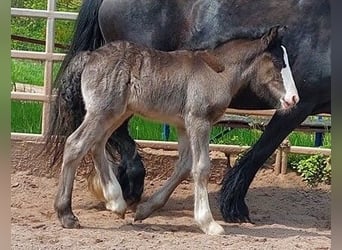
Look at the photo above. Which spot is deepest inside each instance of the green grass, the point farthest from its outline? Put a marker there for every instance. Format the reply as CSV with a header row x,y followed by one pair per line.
x,y
237,136
142,129
30,71
31,27
26,117
27,71
308,139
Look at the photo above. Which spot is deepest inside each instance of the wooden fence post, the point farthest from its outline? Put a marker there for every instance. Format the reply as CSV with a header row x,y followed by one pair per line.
x,y
278,161
282,157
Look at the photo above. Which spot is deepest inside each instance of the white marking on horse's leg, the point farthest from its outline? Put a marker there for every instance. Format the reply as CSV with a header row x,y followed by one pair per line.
x,y
76,146
199,139
181,172
202,212
291,97
110,186
113,195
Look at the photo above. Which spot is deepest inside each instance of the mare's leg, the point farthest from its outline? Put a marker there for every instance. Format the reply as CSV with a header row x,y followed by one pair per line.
x,y
110,186
199,130
237,180
181,172
131,171
76,146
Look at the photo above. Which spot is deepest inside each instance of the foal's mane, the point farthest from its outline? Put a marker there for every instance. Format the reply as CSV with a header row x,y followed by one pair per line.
x,y
246,33
239,34
249,34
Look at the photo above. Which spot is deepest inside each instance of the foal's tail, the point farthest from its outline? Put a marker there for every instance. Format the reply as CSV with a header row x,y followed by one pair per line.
x,y
67,111
68,106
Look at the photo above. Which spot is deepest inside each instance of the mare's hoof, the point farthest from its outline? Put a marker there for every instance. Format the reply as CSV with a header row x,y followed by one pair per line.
x,y
239,214
236,217
235,211
70,221
241,219
119,207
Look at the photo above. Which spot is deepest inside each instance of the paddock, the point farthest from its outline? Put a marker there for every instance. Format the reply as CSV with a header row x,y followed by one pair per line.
x,y
287,214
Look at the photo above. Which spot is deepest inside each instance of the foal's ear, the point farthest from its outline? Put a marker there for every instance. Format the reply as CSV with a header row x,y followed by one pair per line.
x,y
273,34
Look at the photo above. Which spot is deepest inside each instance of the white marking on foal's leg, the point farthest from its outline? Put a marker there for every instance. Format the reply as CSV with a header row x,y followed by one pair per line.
x,y
291,96
199,140
203,215
111,188
113,195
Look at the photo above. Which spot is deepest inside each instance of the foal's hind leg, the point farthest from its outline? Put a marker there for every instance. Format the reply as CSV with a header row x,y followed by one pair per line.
x,y
199,130
76,146
181,172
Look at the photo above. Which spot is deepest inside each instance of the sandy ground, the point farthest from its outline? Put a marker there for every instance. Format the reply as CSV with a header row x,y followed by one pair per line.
x,y
286,215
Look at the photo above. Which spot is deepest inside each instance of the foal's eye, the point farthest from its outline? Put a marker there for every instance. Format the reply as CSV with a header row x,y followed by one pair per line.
x,y
279,64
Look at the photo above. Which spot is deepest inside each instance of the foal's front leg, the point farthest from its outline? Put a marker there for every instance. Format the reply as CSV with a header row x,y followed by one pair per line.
x,y
181,172
199,130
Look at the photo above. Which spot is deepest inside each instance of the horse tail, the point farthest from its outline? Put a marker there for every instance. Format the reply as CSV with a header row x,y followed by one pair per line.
x,y
67,111
68,105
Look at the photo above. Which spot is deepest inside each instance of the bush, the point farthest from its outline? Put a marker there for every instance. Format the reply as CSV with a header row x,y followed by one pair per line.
x,y
314,169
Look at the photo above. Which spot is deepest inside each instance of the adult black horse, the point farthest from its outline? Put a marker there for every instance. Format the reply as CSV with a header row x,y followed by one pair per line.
x,y
194,24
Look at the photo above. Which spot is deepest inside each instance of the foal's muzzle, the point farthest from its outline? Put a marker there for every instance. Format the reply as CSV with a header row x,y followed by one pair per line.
x,y
289,101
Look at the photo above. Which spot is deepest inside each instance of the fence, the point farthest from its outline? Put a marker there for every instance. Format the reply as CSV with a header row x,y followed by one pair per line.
x,y
46,96
48,56
319,126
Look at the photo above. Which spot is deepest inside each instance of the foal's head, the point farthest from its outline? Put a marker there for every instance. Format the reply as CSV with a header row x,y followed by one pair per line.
x,y
270,75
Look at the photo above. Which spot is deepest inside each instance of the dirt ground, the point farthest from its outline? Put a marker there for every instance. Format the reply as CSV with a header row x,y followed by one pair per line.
x,y
286,214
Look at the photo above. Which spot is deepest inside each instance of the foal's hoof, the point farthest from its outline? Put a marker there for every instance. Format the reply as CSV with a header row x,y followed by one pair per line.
x,y
70,221
142,212
214,229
